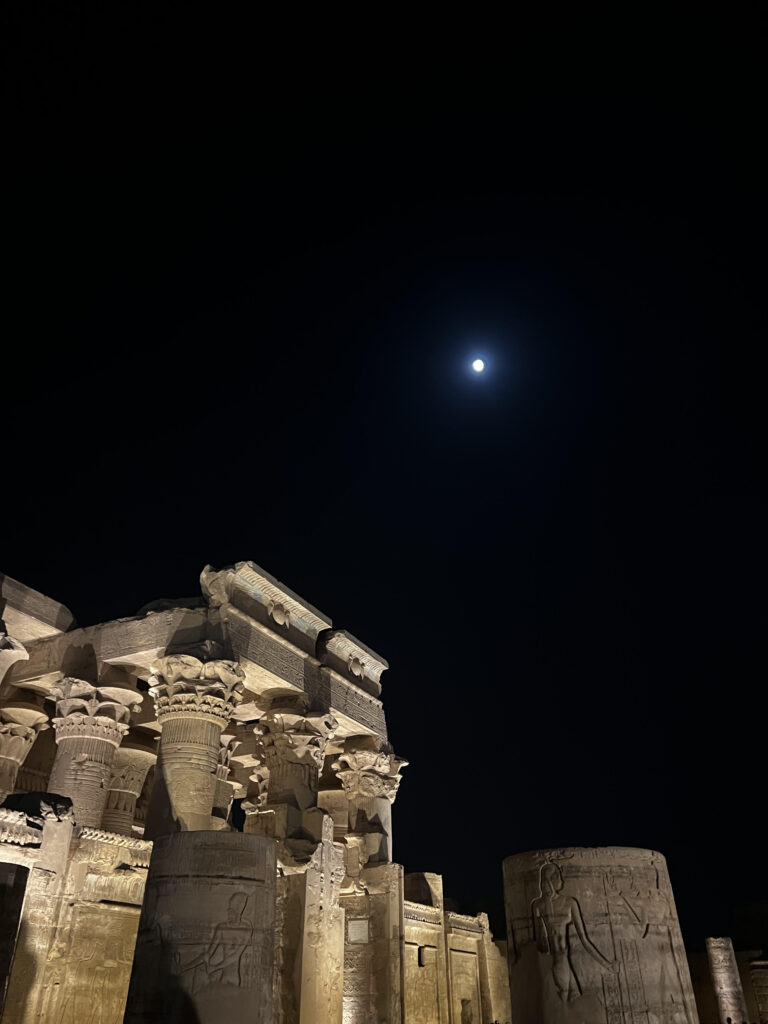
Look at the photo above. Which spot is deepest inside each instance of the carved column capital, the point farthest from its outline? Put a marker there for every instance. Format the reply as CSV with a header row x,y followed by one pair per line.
x,y
370,779
126,779
185,686
90,723
297,737
19,726
369,773
194,701
294,741
84,710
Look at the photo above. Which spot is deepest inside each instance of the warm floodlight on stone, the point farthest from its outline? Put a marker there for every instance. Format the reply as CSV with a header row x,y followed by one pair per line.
x,y
478,365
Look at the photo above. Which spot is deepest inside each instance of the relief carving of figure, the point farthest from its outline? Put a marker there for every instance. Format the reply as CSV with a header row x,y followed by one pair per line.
x,y
224,962
553,914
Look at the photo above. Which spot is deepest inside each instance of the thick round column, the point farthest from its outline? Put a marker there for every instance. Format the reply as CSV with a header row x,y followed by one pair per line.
x,y
726,980
19,727
127,774
91,721
194,701
593,936
371,780
205,947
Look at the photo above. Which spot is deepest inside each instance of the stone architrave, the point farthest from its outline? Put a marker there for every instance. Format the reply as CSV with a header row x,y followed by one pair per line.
x,y
90,723
294,742
371,780
194,701
726,980
205,948
126,779
593,937
19,727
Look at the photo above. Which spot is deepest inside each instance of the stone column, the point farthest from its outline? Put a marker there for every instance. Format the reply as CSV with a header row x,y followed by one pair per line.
x,y
205,948
127,774
194,702
371,780
726,981
294,743
19,727
91,721
622,959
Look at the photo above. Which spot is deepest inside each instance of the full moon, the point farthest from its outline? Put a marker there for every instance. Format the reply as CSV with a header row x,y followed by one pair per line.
x,y
478,365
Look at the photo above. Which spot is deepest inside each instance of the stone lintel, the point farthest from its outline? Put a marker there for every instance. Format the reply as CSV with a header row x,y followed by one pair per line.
x,y
28,614
352,659
257,593
134,642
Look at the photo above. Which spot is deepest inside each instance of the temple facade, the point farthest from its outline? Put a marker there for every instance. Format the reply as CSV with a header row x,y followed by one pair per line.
x,y
196,824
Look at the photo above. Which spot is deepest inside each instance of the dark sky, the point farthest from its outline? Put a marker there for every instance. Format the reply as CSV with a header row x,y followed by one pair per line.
x,y
245,276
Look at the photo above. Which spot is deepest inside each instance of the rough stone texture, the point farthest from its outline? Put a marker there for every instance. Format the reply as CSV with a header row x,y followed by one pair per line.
x,y
19,727
594,938
74,950
426,966
704,989
126,780
11,651
374,947
194,702
726,980
13,883
28,614
759,978
206,937
90,724
370,779
299,919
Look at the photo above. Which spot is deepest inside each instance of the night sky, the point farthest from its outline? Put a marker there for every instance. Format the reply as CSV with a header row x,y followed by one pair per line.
x,y
245,278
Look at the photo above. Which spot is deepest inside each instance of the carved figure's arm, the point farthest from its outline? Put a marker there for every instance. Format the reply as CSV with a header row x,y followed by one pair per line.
x,y
540,929
581,931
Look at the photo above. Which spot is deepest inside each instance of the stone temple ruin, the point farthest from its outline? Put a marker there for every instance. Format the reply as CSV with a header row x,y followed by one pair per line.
x,y
196,826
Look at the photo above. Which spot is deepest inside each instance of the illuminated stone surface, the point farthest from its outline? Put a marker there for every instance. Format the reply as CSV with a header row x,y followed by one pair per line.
x,y
593,938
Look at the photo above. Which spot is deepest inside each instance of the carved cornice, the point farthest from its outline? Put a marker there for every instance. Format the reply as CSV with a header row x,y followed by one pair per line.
x,y
369,773
138,851
284,608
348,656
183,685
300,738
422,913
14,828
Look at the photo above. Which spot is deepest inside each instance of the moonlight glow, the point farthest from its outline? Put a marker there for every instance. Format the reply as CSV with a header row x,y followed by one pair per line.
x,y
478,365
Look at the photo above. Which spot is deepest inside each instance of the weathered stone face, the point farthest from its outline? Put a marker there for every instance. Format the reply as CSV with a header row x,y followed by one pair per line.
x,y
726,980
594,938
206,940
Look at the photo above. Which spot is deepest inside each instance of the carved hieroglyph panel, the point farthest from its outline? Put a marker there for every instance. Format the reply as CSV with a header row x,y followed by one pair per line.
x,y
594,939
86,978
465,986
422,980
206,939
